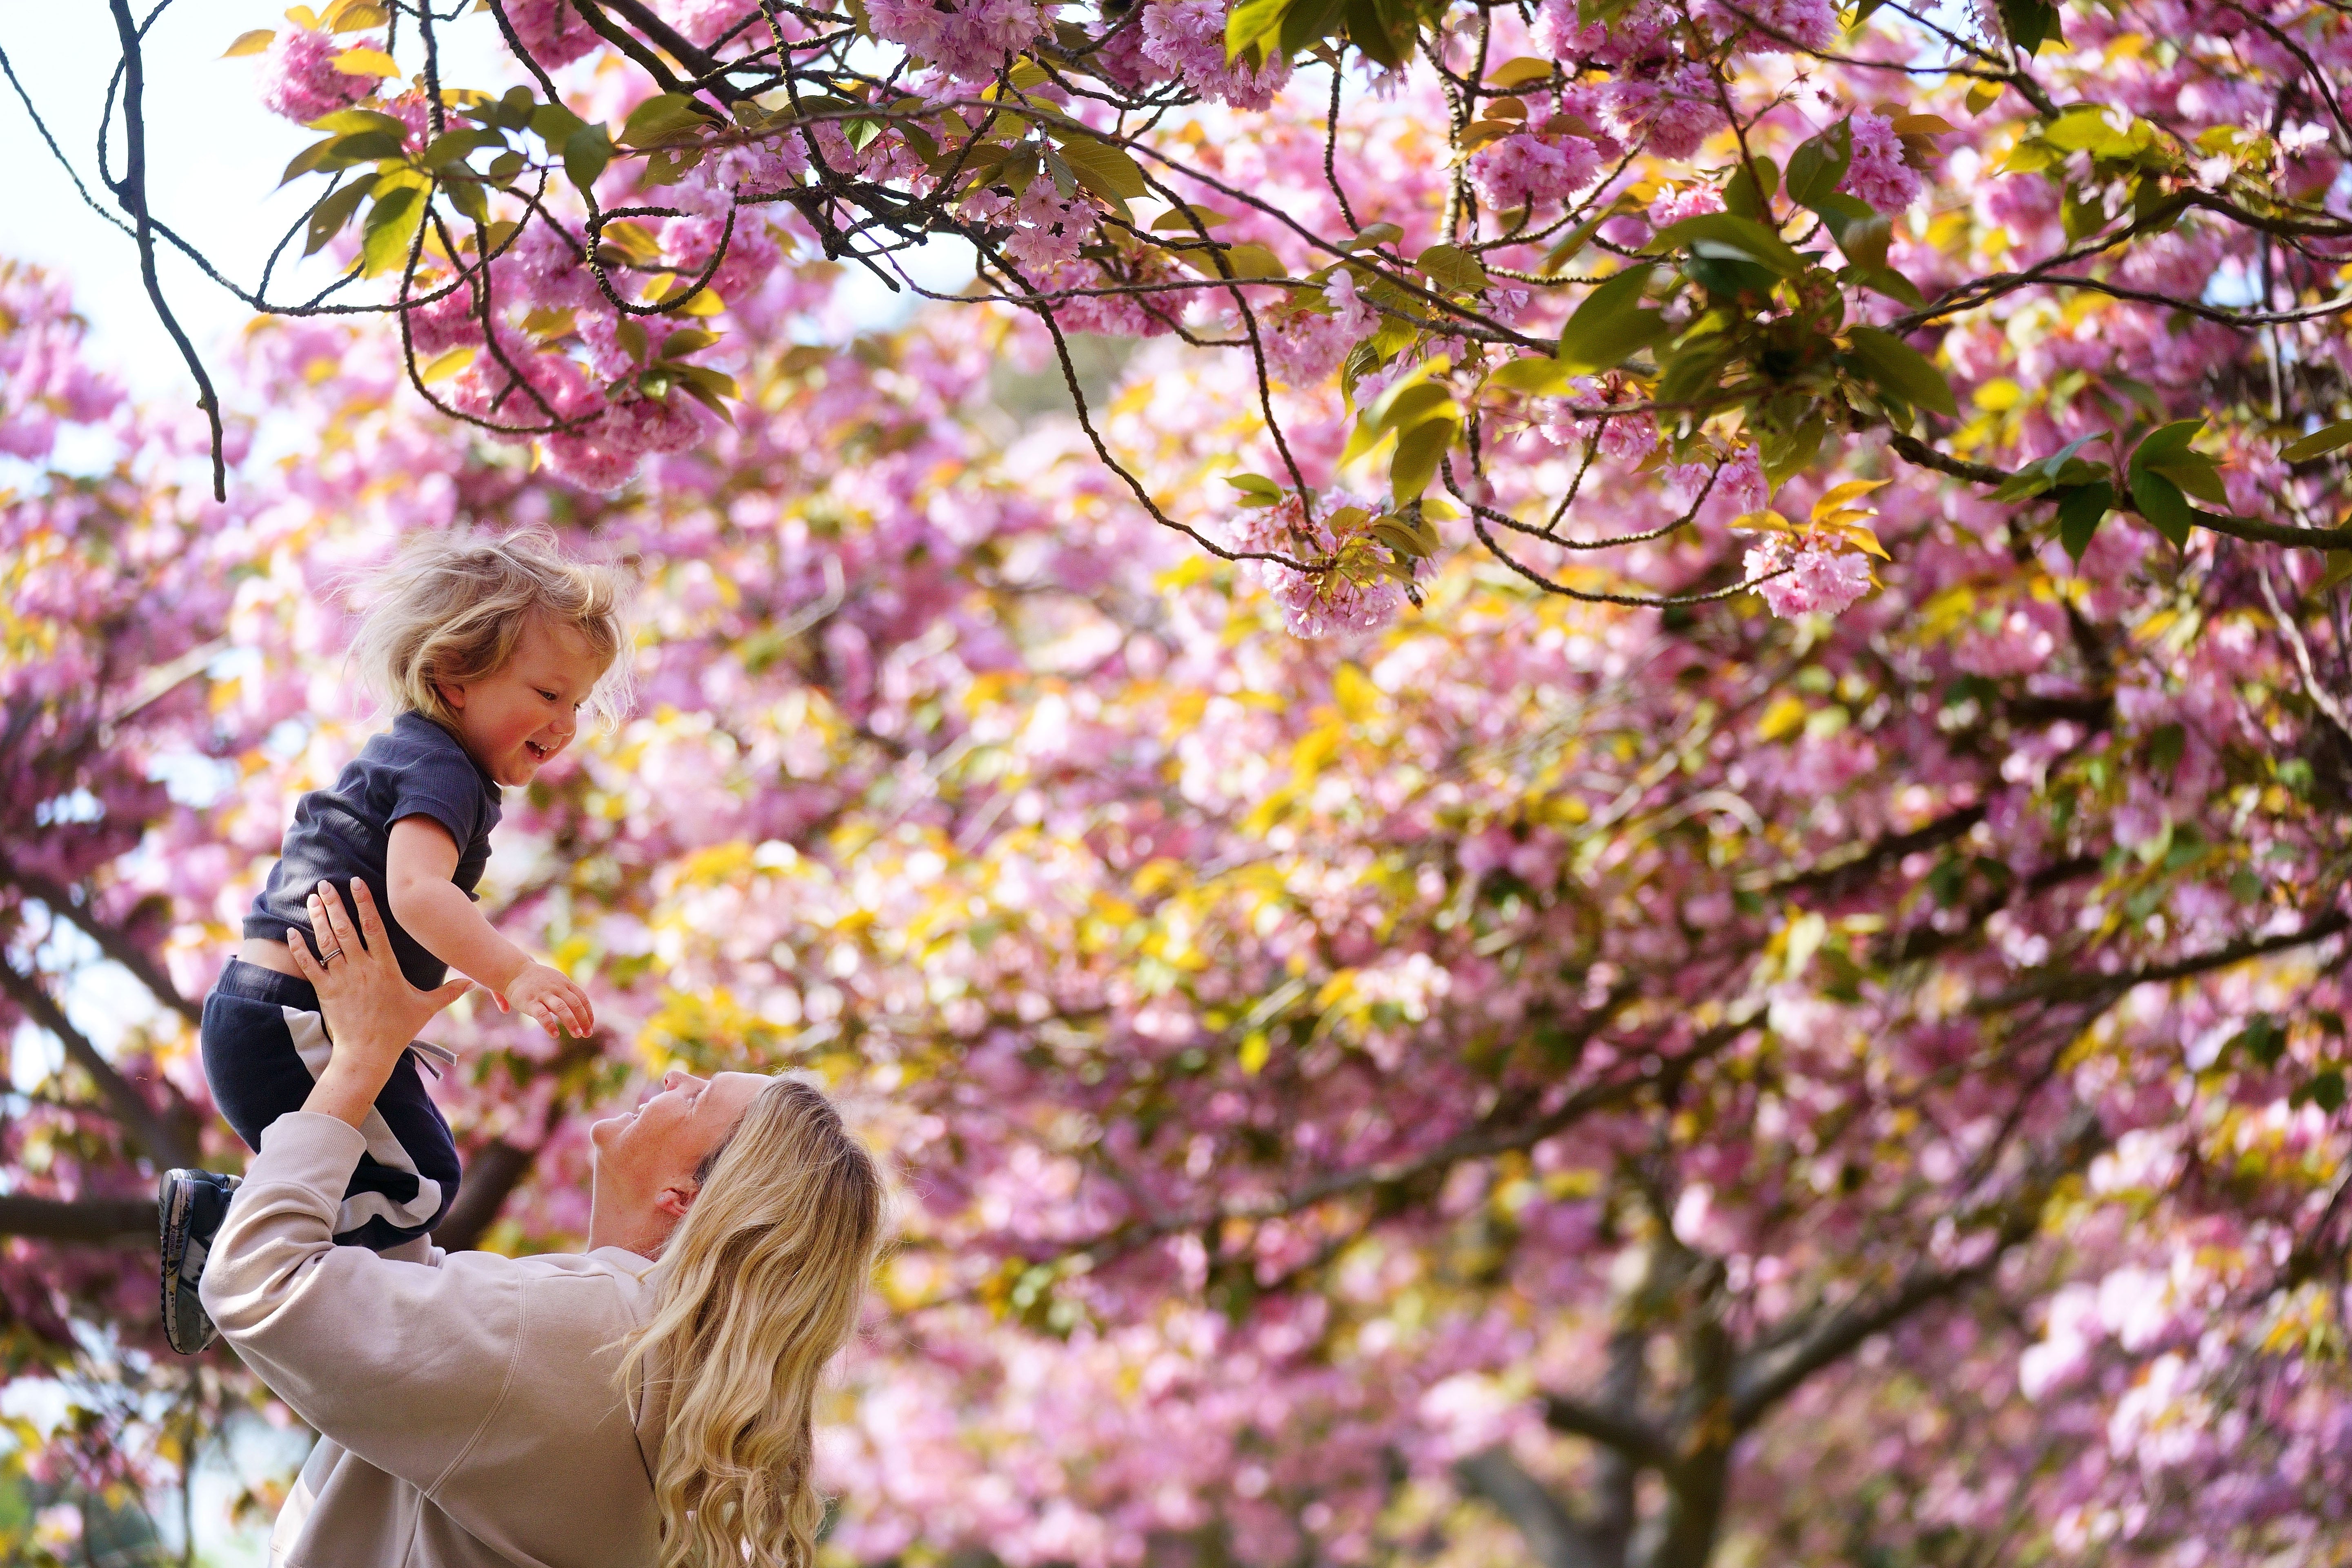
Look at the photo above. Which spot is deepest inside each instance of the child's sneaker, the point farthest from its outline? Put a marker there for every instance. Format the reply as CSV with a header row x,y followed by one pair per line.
x,y
191,1204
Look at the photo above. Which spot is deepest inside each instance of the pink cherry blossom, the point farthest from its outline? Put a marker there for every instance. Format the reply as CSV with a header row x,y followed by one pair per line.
x,y
1814,577
1878,174
298,76
553,31
1187,38
1670,113
1317,605
1524,169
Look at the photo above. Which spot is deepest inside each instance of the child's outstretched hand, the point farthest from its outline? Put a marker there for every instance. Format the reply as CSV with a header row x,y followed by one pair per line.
x,y
546,993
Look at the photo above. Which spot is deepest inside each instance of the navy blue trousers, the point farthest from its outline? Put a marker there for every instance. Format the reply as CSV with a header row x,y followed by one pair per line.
x,y
265,1045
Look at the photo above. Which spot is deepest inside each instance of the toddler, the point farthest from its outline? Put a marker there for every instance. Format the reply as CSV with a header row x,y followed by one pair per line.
x,y
488,649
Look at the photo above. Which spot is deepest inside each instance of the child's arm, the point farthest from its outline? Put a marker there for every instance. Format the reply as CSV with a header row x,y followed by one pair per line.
x,y
417,870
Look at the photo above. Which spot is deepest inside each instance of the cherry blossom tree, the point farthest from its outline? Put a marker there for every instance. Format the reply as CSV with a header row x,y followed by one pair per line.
x,y
2081,260
1525,1078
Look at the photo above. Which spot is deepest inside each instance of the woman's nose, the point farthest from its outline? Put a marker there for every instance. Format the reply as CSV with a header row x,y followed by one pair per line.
x,y
675,1076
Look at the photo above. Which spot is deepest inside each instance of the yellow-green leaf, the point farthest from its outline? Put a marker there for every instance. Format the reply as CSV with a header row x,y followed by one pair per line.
x,y
2320,442
446,365
365,62
1451,267
249,43
1418,451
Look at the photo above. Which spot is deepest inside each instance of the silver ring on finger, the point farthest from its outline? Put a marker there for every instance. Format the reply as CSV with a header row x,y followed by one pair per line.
x,y
330,956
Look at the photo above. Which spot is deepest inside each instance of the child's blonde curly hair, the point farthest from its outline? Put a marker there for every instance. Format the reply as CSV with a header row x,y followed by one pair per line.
x,y
452,605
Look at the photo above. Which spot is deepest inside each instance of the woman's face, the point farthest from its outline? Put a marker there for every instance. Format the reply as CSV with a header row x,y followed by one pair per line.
x,y
656,1146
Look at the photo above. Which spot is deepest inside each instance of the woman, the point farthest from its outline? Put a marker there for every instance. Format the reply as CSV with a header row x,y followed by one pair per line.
x,y
646,1401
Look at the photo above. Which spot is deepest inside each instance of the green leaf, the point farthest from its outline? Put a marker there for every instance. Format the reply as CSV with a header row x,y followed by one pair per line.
x,y
309,159
1065,184
630,333
1367,29
1896,366
661,119
346,121
1248,260
451,146
686,340
1865,243
2080,514
510,111
1105,170
1307,23
1452,269
1819,165
1418,451
2086,128
2041,474
2261,1039
2319,443
1751,189
1744,238
1410,405
1611,326
2324,1090
2030,24
333,211
2339,569
467,196
1536,377
1249,22
586,151
2195,473
2160,502
392,226
555,124
1184,217
1520,71
1259,489
366,147
1373,234
1894,285
2164,443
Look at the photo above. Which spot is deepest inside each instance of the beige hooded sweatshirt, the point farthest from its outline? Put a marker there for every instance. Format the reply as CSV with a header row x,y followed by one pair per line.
x,y
466,1407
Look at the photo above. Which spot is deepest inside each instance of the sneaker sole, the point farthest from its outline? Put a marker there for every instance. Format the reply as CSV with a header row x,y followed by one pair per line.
x,y
172,1201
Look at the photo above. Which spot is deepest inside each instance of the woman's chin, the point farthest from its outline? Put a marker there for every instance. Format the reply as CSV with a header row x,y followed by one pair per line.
x,y
602,1133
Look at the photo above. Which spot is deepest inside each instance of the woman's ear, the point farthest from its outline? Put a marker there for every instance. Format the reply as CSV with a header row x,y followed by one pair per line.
x,y
673,1201
453,694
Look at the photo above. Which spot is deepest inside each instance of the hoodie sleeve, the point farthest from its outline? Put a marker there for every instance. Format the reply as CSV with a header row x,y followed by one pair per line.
x,y
403,1363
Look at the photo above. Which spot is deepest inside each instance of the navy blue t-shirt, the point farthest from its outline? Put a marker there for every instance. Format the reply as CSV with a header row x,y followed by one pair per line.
x,y
414,768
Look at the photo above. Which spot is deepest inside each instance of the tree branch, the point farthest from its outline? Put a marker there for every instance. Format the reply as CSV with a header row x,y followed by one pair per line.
x,y
132,194
1628,1435
165,1143
90,1222
1766,1377
2060,981
1554,1538
111,939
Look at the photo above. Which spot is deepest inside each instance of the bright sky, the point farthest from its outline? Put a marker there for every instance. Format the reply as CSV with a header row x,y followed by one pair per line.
x,y
215,158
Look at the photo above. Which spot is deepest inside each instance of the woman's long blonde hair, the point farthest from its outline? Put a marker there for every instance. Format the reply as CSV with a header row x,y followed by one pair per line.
x,y
762,1284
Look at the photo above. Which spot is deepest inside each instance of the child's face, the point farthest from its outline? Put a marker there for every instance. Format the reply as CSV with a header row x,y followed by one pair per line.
x,y
514,722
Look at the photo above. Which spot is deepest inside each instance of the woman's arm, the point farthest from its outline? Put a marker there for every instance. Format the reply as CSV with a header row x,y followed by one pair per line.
x,y
371,1010
417,867
400,1363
